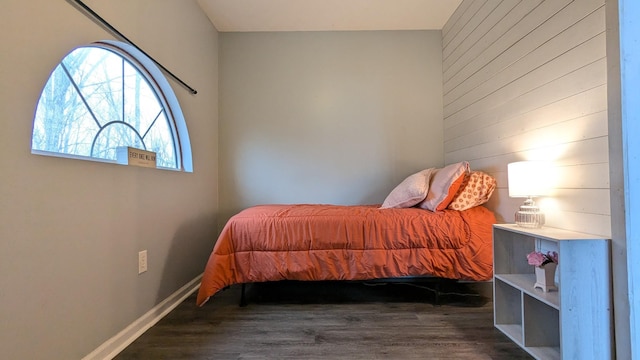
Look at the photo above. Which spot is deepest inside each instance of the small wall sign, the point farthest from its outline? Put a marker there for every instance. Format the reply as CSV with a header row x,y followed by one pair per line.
x,y
131,156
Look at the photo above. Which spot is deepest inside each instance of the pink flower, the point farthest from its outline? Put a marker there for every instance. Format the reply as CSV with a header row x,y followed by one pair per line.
x,y
537,258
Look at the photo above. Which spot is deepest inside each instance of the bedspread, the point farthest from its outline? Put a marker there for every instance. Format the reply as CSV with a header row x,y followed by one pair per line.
x,y
332,242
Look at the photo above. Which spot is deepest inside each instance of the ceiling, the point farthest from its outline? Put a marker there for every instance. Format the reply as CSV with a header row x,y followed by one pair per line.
x,y
327,15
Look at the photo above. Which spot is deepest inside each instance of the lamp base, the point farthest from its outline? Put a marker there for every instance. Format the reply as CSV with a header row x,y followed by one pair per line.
x,y
529,215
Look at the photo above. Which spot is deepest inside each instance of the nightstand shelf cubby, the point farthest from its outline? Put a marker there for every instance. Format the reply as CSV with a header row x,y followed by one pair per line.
x,y
574,322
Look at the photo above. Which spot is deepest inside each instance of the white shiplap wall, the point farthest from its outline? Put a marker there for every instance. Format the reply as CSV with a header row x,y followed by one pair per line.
x,y
526,80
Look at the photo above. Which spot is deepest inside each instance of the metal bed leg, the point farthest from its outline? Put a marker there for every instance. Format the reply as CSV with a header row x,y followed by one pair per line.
x,y
437,292
243,298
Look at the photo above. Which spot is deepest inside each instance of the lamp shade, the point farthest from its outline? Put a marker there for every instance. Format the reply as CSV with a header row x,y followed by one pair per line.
x,y
528,178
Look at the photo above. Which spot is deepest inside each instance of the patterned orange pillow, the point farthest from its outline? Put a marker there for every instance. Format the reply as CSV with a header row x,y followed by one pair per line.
x,y
475,190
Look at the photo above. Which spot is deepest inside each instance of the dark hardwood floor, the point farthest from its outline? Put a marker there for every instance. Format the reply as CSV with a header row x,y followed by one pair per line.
x,y
330,320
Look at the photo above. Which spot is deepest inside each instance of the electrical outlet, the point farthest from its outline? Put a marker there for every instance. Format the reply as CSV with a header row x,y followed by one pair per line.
x,y
142,261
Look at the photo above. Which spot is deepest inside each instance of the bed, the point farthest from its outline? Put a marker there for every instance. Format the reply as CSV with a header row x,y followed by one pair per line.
x,y
331,242
400,238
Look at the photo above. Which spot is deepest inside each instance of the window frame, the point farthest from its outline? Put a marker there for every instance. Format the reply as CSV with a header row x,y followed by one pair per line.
x,y
164,94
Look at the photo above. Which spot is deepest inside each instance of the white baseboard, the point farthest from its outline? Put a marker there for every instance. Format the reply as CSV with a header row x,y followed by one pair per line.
x,y
112,347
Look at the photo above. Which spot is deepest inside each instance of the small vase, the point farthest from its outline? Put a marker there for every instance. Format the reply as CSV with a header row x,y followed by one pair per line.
x,y
545,277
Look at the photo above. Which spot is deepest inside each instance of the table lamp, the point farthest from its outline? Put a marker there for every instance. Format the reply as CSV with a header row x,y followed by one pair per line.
x,y
528,179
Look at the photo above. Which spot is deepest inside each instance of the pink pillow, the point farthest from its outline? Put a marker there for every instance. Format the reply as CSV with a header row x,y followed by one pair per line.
x,y
444,185
475,190
410,191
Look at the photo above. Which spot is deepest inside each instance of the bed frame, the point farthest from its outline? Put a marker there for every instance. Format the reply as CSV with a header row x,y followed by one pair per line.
x,y
438,289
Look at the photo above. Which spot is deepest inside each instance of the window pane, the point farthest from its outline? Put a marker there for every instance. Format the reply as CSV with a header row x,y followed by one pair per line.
x,y
156,140
98,75
141,103
112,136
62,123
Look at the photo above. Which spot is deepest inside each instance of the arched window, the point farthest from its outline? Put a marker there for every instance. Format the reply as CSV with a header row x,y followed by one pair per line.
x,y
104,96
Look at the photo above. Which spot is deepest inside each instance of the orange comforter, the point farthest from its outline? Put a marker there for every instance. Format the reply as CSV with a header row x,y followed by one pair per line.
x,y
331,242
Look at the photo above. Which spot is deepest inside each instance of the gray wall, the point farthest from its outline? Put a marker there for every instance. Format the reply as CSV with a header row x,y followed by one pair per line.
x,y
527,80
326,117
70,230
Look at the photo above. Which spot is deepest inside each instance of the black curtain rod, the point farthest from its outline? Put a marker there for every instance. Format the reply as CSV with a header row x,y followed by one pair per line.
x,y
88,11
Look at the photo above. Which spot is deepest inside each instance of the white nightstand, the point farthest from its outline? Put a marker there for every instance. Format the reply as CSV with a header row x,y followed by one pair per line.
x,y
573,323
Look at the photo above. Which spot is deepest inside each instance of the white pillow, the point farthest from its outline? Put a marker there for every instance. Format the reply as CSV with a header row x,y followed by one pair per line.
x,y
444,186
410,191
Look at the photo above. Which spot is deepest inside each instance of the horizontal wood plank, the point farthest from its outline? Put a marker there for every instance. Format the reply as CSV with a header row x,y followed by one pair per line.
x,y
470,28
587,103
587,77
466,16
532,54
455,75
454,20
498,30
450,55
